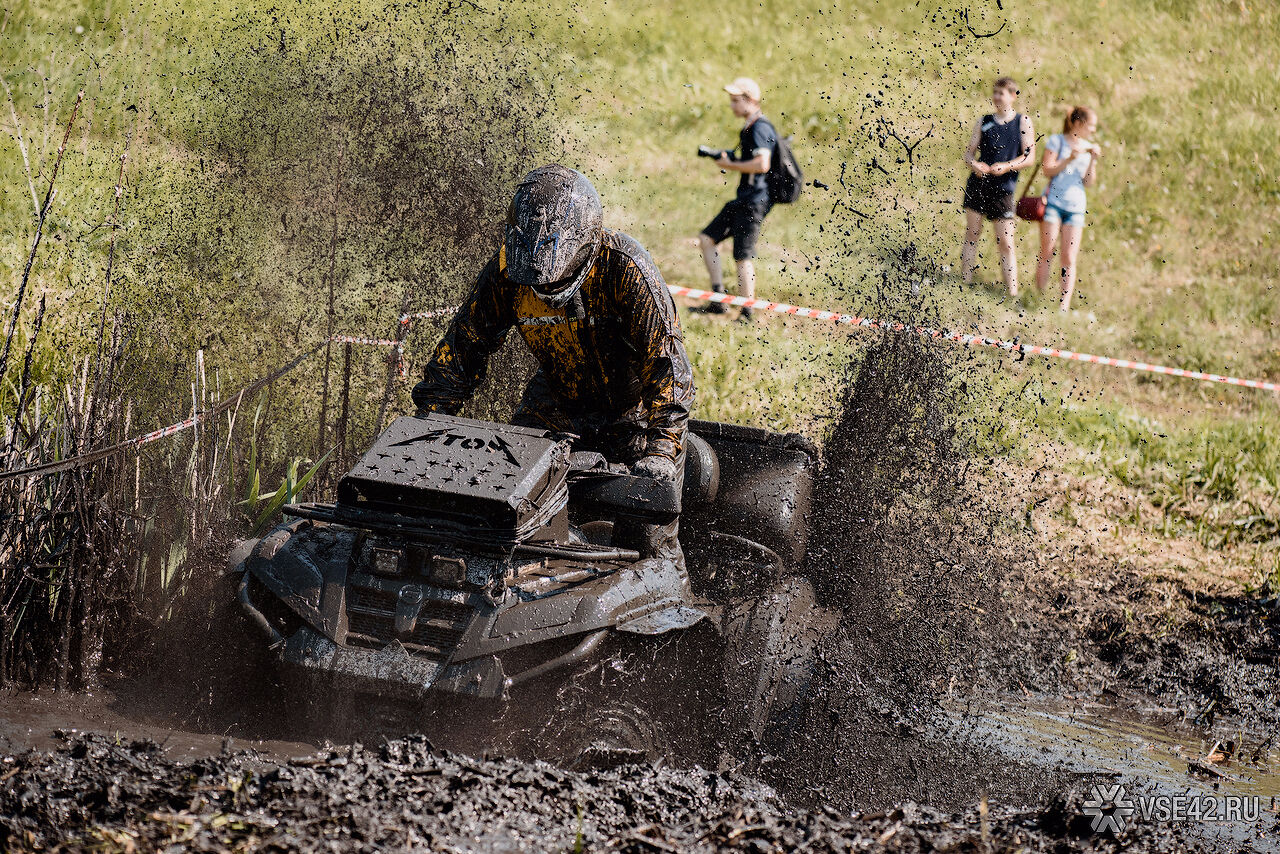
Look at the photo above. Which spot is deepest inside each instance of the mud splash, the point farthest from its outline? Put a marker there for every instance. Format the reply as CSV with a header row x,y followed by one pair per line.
x,y
943,594
913,562
332,174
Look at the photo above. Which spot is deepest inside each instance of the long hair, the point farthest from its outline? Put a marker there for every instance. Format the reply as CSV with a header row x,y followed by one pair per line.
x,y
1077,115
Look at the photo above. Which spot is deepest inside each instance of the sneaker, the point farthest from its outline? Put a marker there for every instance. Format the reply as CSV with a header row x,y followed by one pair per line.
x,y
710,308
745,317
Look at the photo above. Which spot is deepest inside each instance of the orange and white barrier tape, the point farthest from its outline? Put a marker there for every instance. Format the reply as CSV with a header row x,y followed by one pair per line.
x,y
1022,350
965,338
233,400
406,319
376,342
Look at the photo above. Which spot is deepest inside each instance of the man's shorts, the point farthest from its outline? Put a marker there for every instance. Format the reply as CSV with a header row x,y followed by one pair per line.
x,y
1053,213
993,202
740,220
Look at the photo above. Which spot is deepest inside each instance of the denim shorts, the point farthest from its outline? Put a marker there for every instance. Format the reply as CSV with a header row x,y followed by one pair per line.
x,y
1053,213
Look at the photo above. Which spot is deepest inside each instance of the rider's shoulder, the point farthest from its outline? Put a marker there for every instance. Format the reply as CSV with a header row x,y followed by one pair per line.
x,y
625,248
620,241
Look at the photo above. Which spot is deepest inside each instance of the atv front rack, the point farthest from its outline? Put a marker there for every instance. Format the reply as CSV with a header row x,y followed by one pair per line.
x,y
396,524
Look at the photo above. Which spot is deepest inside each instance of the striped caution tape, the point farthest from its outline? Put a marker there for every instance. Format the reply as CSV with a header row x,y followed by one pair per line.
x,y
164,432
965,338
406,319
376,342
968,339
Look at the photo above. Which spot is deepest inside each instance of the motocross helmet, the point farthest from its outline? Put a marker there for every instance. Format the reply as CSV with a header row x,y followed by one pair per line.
x,y
554,230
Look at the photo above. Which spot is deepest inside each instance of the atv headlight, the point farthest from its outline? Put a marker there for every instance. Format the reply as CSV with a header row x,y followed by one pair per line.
x,y
448,571
385,561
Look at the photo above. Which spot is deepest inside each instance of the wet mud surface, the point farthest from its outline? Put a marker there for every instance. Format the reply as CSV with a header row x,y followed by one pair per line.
x,y
975,690
93,790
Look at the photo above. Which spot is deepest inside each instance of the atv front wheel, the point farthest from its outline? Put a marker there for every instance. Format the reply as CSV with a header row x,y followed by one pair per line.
x,y
771,667
645,698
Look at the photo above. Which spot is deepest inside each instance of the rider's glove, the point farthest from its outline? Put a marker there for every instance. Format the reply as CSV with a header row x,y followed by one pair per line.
x,y
658,468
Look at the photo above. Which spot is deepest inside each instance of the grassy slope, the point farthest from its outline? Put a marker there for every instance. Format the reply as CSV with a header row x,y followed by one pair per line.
x,y
1177,264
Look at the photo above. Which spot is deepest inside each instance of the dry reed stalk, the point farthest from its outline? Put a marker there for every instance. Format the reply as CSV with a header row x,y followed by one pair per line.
x,y
393,362
35,243
345,406
22,147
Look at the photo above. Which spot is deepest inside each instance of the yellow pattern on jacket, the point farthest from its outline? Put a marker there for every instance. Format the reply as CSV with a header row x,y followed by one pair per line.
x,y
615,354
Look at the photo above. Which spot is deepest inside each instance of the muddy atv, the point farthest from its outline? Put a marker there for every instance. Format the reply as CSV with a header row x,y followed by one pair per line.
x,y
466,583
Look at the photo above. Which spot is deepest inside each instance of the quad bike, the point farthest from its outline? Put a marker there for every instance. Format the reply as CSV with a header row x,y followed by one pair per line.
x,y
467,583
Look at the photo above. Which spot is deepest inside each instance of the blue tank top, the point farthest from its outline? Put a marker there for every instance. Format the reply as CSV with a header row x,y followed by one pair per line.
x,y
1000,143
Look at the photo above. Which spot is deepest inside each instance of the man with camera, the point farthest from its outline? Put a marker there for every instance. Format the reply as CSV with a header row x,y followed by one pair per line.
x,y
741,218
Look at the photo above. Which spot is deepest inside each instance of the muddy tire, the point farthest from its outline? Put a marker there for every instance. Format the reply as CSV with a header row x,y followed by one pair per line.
x,y
771,667
643,699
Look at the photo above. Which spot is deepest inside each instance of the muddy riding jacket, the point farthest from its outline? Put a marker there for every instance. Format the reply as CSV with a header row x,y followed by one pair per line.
x,y
612,356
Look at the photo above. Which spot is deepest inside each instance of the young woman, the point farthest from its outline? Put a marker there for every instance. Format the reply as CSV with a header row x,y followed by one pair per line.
x,y
1002,143
1071,162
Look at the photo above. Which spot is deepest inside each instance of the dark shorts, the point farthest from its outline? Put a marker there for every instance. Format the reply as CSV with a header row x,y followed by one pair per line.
x,y
991,200
740,220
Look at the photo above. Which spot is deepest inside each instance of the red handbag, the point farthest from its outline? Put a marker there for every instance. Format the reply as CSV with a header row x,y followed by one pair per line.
x,y
1031,208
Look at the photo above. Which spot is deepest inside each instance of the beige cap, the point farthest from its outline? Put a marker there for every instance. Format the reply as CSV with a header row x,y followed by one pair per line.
x,y
744,86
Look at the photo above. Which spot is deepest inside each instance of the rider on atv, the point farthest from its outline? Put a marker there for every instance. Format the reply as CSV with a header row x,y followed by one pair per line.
x,y
597,316
463,565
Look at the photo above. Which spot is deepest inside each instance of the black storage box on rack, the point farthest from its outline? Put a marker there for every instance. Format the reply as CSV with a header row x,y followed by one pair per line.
x,y
461,475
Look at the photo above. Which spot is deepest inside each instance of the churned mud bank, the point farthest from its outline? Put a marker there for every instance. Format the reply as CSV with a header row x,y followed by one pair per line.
x,y
122,795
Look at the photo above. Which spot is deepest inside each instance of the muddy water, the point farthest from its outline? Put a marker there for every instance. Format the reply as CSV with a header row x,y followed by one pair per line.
x,y
1148,752
34,720
1144,752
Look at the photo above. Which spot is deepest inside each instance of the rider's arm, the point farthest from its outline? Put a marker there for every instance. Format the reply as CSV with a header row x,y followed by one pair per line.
x,y
652,327
462,355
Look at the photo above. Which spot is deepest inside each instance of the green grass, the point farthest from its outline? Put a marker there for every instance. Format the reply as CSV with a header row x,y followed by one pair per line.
x,y
1177,266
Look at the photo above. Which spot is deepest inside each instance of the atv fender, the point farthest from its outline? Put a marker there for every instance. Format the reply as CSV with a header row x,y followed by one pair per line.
x,y
770,667
297,572
667,620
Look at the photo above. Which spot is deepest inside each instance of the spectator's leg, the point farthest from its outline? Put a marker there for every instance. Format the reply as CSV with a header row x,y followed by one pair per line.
x,y
711,257
1071,237
969,252
1008,256
1048,241
745,237
746,278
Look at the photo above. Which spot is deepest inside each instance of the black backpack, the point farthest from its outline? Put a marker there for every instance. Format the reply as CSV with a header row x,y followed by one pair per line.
x,y
785,180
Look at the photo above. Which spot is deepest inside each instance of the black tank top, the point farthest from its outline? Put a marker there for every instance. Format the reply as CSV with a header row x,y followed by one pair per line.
x,y
1000,143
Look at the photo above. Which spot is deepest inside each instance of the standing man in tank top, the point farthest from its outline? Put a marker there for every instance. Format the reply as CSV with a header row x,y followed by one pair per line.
x,y
1002,143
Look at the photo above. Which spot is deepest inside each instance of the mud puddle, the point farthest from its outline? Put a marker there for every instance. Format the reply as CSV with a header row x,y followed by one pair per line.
x,y
1149,752
44,721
